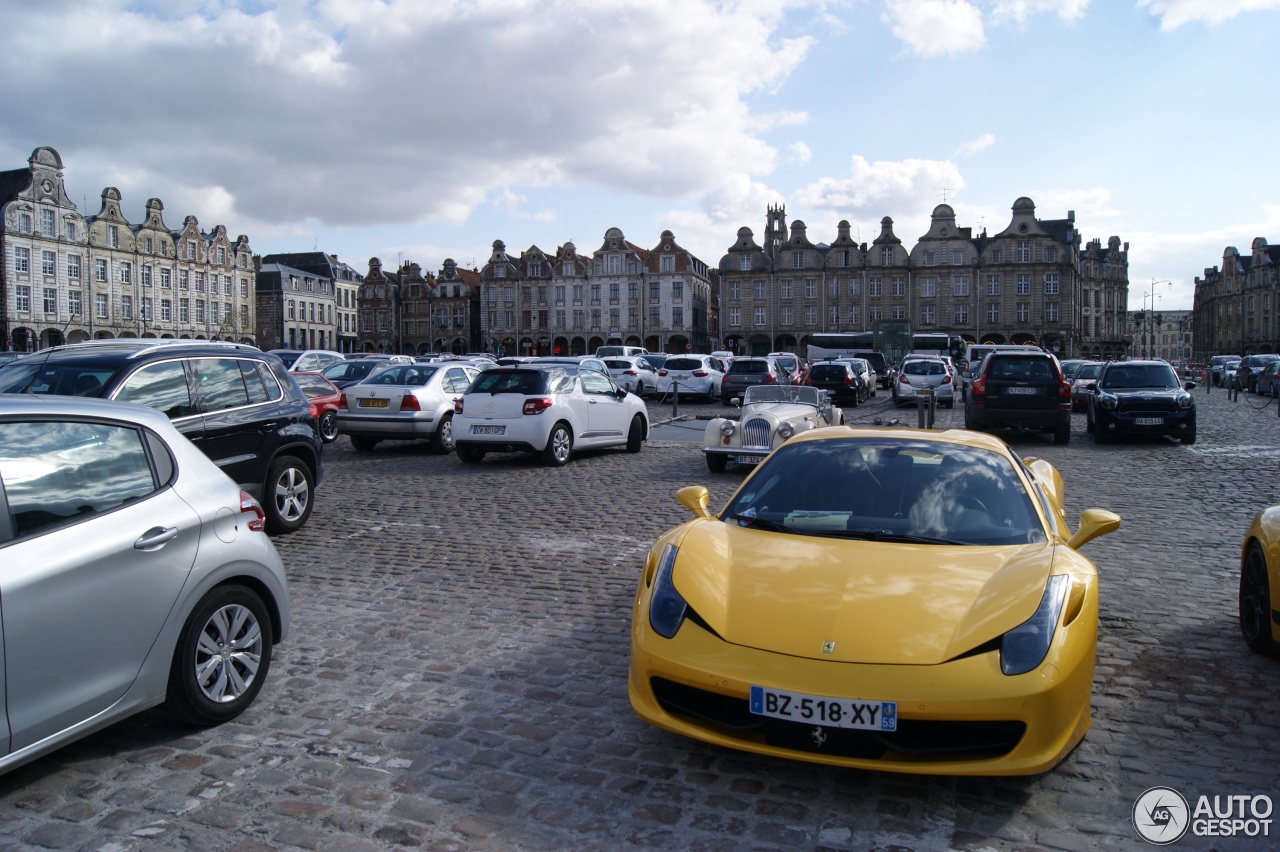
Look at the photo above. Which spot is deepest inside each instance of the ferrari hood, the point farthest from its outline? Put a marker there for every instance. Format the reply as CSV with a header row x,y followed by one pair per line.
x,y
878,602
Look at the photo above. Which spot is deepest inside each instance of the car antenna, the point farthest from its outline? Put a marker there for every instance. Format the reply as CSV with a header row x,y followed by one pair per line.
x,y
47,352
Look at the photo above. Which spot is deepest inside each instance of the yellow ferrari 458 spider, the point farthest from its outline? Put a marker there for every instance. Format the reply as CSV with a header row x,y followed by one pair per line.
x,y
890,599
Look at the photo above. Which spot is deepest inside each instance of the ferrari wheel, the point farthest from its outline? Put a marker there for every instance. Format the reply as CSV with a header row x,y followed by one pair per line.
x,y
1255,601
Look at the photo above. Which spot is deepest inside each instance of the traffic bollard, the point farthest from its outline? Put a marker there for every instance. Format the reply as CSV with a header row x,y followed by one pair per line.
x,y
675,399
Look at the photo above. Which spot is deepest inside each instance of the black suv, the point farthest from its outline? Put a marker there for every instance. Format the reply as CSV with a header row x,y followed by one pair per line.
x,y
884,373
235,402
1015,389
1141,398
839,379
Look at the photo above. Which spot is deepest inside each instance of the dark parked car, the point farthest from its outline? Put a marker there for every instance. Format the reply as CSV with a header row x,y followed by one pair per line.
x,y
1249,369
1020,389
1141,398
1268,381
840,380
745,372
235,402
884,373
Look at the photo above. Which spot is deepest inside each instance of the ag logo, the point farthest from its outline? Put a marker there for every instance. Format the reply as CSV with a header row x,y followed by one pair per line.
x,y
1161,815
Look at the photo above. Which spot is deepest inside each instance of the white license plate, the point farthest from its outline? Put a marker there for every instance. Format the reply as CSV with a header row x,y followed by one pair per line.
x,y
741,459
851,713
1148,421
488,430
680,378
1026,391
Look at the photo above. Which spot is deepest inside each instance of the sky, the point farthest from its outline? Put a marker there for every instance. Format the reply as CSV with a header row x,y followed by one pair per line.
x,y
419,130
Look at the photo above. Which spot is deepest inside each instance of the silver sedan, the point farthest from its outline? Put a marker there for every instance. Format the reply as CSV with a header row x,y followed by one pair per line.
x,y
134,572
405,402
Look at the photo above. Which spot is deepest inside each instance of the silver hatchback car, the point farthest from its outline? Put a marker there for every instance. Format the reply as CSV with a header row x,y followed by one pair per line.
x,y
133,572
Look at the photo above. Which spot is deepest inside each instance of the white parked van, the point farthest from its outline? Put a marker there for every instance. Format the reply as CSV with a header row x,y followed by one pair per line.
x,y
620,351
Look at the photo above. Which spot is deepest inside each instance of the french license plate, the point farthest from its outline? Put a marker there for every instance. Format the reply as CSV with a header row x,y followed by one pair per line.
x,y
373,403
851,713
741,459
680,377
1019,390
1148,421
488,430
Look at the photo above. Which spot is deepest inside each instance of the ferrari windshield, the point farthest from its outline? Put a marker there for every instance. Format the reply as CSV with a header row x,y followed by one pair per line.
x,y
889,489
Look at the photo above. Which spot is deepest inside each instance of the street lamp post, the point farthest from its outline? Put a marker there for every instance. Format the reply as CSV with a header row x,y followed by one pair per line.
x,y
1151,317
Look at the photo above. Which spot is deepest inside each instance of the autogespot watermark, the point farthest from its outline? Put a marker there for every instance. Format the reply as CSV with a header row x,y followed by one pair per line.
x,y
1163,815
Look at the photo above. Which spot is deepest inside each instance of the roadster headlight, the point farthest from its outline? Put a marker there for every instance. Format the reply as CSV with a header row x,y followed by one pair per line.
x,y
727,428
666,607
786,429
1023,648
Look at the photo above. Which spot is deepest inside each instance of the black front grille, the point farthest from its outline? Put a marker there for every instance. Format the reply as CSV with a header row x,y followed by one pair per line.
x,y
919,738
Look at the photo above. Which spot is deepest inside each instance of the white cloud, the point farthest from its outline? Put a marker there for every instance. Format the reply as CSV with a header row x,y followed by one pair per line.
x,y
907,186
931,28
1175,13
1020,10
799,153
973,146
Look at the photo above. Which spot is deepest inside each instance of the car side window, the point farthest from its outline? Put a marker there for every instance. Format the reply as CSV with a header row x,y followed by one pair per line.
x,y
456,381
222,383
55,473
593,382
162,386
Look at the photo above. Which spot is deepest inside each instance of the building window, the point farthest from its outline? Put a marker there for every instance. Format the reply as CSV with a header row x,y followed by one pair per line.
x,y
126,307
833,288
993,313
735,317
113,236
886,255
73,303
960,285
595,292
655,291
744,262
200,311
898,312
126,272
46,223
568,268
993,285
22,298
810,315
1051,285
184,310
535,269
49,262
1050,311
222,256
1051,254
1022,252
677,317
146,245
1024,312
146,275
228,283
930,258
853,315
291,309
213,313
899,290
1022,284
784,315
191,249
21,259
633,291
73,266
500,271
874,315
146,309
960,314
760,317
926,315
100,269
102,305
24,223
797,260
677,290
997,255
758,286
615,291
810,288
833,315
166,278
69,230
957,258
873,288
928,287
855,288
655,317
784,289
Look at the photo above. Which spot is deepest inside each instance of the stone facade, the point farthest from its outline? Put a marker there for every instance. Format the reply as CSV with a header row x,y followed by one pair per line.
x,y
1236,306
297,309
343,283
65,277
1029,283
1162,334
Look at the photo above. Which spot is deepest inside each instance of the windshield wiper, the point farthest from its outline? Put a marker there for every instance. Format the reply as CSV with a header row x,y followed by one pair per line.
x,y
890,535
762,523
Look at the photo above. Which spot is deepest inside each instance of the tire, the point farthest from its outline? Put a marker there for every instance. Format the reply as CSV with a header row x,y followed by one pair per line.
x,y
363,443
1189,438
1100,436
287,495
329,427
639,391
635,435
716,463
1088,423
968,422
559,446
470,455
1255,601
205,688
1062,435
442,438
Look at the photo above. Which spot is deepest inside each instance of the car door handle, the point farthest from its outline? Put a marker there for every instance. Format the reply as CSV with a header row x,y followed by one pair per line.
x,y
155,538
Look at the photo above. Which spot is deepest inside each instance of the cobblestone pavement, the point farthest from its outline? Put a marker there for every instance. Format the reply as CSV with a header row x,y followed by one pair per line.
x,y
456,676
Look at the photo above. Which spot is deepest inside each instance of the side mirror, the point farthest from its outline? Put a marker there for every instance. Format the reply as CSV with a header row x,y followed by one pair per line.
x,y
621,393
694,498
1093,523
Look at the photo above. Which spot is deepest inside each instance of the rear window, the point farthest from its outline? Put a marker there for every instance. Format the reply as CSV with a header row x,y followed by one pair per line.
x,y
828,371
1020,369
683,364
59,379
924,368
524,382
749,367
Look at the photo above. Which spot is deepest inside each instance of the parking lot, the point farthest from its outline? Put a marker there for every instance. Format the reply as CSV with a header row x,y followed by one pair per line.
x,y
456,674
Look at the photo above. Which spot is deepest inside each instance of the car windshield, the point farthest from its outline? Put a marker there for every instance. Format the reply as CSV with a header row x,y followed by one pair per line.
x,y
750,367
411,375
58,378
1088,371
350,370
889,489
788,364
1140,376
781,393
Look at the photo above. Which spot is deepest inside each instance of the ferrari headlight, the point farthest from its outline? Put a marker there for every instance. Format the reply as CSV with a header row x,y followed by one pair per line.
x,y
727,428
666,607
1023,648
786,429
1107,401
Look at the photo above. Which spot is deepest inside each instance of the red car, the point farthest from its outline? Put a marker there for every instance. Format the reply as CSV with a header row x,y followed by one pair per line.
x,y
325,396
